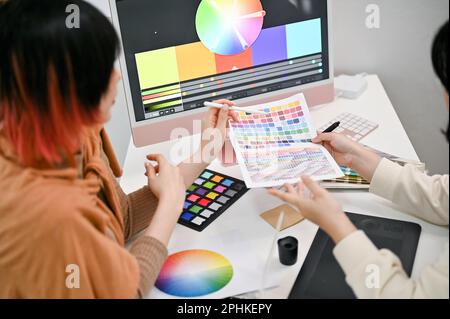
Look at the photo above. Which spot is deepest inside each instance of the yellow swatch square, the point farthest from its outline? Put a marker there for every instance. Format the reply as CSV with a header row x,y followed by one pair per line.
x,y
212,195
157,68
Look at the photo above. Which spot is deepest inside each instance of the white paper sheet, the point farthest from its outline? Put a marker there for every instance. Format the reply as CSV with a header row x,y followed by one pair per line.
x,y
276,149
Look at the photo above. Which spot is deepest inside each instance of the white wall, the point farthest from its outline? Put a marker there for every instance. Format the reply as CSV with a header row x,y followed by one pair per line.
x,y
399,52
103,5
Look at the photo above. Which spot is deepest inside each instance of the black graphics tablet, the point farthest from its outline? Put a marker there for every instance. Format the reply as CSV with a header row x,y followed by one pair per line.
x,y
321,277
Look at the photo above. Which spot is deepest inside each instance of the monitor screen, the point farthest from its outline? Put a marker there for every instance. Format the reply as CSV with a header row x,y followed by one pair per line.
x,y
181,53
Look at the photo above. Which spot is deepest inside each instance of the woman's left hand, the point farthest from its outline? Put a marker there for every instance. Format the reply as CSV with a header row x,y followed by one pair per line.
x,y
214,127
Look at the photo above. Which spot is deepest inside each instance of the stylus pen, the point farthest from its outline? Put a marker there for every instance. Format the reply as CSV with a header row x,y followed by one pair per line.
x,y
332,127
235,108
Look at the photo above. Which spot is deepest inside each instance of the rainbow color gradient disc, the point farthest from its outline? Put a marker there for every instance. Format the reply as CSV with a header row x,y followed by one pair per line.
x,y
229,27
194,273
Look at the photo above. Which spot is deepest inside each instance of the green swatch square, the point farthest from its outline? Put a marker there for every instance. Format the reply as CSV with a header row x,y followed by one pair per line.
x,y
192,188
209,185
196,209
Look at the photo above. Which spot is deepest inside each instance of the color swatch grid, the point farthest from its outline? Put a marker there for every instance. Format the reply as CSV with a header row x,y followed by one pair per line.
x,y
194,273
275,149
284,125
280,166
209,197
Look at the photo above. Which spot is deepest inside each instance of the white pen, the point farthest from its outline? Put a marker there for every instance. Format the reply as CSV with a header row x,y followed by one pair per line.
x,y
235,108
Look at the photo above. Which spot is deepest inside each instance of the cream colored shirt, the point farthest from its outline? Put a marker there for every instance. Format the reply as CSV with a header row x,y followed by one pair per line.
x,y
426,197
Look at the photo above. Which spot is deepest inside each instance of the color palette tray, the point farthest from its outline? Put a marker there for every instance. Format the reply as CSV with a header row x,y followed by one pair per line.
x,y
208,198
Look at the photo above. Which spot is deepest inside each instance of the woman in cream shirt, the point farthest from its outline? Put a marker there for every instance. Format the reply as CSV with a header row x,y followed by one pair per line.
x,y
426,197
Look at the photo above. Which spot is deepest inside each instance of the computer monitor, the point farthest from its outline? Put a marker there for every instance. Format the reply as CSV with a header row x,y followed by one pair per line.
x,y
177,54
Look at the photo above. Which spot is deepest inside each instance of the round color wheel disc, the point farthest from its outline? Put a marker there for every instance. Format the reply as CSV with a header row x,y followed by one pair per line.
x,y
194,273
229,27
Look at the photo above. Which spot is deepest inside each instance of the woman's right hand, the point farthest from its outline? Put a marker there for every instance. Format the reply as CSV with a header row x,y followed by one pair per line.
x,y
349,153
166,182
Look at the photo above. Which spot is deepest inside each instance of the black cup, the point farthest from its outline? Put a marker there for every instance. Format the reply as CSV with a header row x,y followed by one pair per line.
x,y
288,250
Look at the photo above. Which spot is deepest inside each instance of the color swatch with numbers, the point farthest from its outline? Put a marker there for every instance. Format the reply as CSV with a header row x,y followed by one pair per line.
x,y
208,198
284,125
194,273
275,149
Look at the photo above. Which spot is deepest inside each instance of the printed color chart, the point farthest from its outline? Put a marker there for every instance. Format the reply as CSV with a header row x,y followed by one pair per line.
x,y
285,125
275,149
194,273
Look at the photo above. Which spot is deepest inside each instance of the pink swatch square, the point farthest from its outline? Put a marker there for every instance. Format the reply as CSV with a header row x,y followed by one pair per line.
x,y
193,198
220,189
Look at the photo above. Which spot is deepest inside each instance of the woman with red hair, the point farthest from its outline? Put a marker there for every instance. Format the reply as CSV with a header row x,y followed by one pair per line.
x,y
61,208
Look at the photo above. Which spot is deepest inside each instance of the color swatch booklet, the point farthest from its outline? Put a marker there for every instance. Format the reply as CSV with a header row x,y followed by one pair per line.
x,y
276,148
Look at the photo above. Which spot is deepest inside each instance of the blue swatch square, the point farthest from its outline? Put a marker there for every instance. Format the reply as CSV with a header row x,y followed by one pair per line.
x,y
187,216
207,175
227,182
304,38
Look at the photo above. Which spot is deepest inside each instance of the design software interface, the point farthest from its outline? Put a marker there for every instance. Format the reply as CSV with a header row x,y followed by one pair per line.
x,y
181,53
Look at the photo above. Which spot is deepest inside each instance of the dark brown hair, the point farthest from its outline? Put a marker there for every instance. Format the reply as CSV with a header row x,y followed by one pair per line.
x,y
52,77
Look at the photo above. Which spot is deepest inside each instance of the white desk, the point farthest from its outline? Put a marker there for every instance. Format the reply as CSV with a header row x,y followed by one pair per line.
x,y
390,137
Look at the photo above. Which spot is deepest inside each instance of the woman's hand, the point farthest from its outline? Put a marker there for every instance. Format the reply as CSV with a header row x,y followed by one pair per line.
x,y
214,134
214,128
320,208
166,183
349,153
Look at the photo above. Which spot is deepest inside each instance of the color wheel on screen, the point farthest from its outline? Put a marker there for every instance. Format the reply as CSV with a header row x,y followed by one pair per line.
x,y
229,27
194,273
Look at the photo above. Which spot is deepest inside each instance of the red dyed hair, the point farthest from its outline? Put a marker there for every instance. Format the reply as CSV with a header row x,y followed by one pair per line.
x,y
45,139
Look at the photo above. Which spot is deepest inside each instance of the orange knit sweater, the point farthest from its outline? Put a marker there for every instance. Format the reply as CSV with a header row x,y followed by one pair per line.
x,y
54,219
